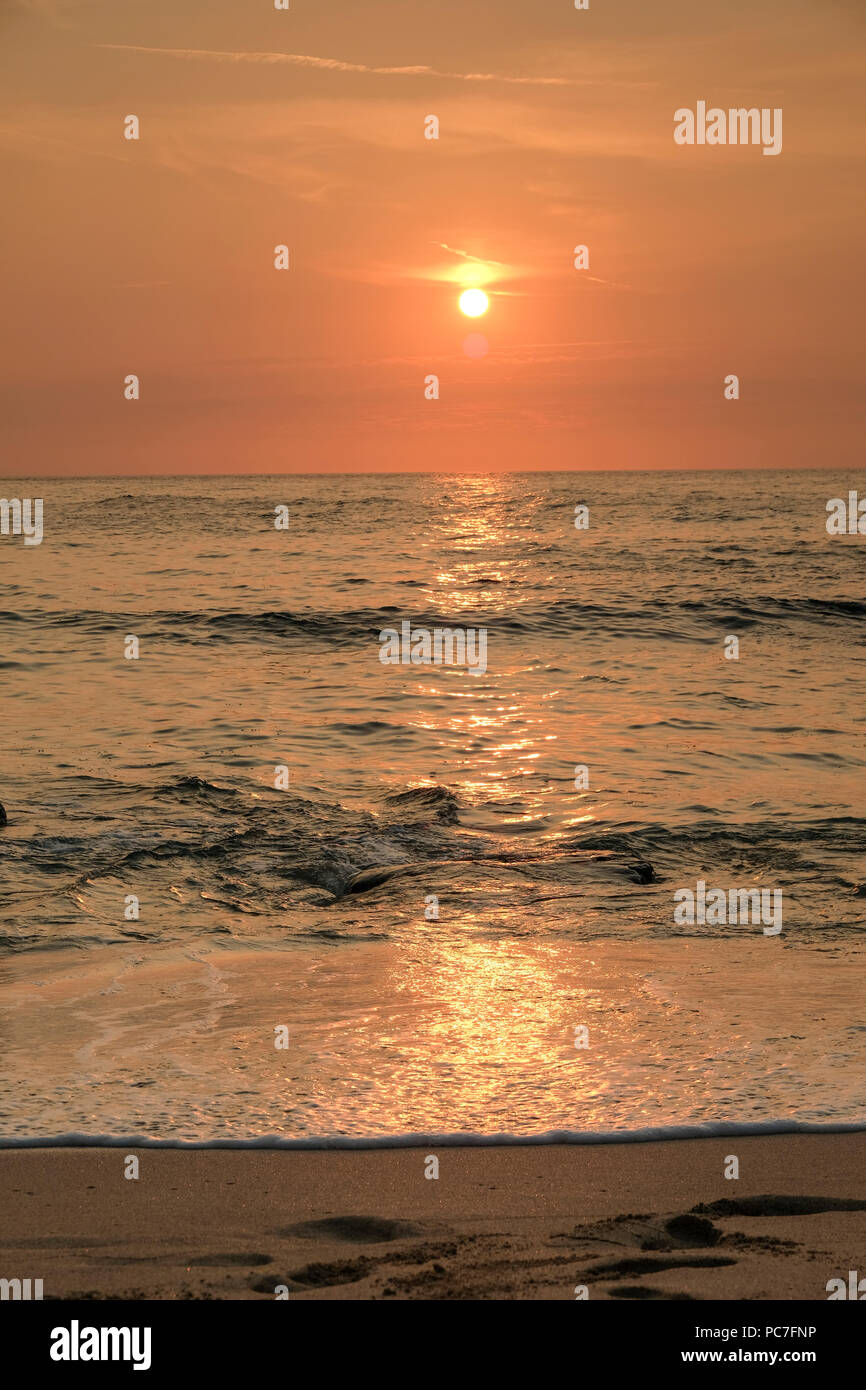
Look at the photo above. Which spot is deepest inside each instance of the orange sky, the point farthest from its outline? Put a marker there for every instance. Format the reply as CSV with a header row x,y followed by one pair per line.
x,y
556,128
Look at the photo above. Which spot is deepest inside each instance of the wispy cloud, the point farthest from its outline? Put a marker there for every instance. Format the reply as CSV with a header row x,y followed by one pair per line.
x,y
467,255
305,60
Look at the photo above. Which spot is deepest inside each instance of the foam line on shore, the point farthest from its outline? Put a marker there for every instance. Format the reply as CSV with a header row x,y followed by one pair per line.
x,y
712,1130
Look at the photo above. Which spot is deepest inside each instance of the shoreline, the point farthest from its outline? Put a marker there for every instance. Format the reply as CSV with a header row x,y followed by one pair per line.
x,y
460,1139
638,1220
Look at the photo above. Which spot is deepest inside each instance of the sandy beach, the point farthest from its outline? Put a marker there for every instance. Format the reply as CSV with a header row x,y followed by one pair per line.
x,y
627,1221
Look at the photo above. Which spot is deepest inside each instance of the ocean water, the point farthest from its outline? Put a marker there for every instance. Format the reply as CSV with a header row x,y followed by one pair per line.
x,y
309,905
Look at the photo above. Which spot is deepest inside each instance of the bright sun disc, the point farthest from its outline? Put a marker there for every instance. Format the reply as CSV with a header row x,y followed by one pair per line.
x,y
473,303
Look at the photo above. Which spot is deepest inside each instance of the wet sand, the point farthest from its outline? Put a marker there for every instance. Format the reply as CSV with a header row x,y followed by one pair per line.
x,y
626,1221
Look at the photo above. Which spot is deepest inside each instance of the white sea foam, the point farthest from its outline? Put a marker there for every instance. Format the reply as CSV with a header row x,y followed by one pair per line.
x,y
723,1128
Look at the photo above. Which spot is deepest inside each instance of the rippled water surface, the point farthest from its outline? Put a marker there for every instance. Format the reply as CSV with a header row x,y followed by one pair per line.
x,y
260,647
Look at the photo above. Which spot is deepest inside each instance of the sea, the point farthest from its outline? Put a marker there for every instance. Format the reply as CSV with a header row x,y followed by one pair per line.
x,y
261,884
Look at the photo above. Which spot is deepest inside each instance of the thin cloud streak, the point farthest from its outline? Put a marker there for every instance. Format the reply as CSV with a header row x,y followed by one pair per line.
x,y
304,60
467,255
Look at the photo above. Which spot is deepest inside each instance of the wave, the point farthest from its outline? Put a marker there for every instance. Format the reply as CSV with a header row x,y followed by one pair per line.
x,y
283,820
684,619
211,857
461,1139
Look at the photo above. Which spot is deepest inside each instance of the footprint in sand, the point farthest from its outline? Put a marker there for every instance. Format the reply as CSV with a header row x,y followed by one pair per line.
x,y
682,1232
361,1230
319,1276
355,1230
769,1205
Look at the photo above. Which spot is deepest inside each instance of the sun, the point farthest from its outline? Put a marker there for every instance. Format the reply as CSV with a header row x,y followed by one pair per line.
x,y
474,302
